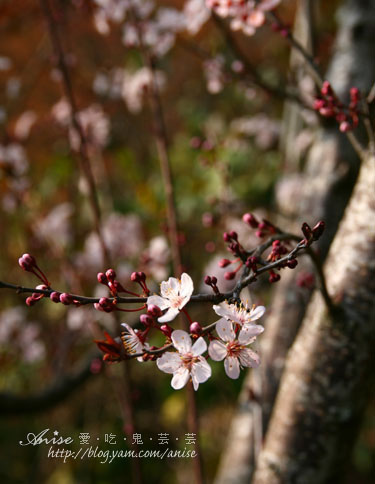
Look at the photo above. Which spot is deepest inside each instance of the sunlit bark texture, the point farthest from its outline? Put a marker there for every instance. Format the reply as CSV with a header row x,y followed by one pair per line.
x,y
324,189
326,380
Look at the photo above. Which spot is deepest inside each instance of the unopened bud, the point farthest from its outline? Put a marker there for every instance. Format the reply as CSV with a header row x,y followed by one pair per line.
x,y
251,220
154,311
111,275
146,319
102,278
55,296
30,301
229,275
166,330
207,280
195,328
274,277
224,262
292,263
66,298
318,230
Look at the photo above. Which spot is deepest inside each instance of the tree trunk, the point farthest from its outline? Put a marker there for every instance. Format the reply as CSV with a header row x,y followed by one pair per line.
x,y
326,380
329,177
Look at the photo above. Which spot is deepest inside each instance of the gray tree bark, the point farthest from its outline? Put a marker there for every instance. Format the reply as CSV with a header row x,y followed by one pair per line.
x,y
330,174
325,384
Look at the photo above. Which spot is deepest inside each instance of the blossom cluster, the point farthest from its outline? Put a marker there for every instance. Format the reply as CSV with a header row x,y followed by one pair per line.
x,y
246,15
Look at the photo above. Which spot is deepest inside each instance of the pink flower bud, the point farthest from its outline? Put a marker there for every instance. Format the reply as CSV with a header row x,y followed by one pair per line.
x,y
207,280
166,330
251,220
319,104
233,235
55,296
30,301
195,328
146,319
213,280
226,237
259,233
326,88
318,230
66,298
154,311
111,275
134,277
224,262
29,259
142,276
102,278
229,275
345,127
24,265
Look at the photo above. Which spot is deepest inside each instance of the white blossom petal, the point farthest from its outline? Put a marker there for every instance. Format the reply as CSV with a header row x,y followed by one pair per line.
x,y
249,358
169,315
232,367
225,330
217,350
181,341
225,310
180,378
169,288
257,313
187,286
169,362
158,301
249,332
200,372
199,347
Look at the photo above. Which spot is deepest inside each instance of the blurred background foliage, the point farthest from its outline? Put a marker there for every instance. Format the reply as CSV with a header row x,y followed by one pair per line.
x,y
225,160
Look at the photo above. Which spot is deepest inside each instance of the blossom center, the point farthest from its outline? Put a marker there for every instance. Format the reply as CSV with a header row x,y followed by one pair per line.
x,y
234,348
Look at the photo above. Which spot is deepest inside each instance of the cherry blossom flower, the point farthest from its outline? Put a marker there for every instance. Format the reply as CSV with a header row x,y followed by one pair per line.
x,y
234,351
175,294
240,314
187,362
132,340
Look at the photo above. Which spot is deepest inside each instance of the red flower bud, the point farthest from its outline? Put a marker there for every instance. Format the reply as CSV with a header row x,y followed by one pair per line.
x,y
229,276
146,319
30,301
318,230
102,278
292,263
224,262
213,280
251,220
111,275
233,235
166,330
66,298
207,280
274,277
195,328
55,296
326,88
154,311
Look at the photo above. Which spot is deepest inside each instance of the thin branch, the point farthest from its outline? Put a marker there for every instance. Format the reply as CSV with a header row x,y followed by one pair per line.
x,y
75,122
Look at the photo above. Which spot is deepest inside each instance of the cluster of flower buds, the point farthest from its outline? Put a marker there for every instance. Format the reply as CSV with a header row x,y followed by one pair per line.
x,y
278,250
28,263
264,228
312,234
212,282
330,106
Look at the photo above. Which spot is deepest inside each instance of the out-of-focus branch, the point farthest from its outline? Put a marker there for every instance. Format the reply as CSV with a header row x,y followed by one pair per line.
x,y
53,395
75,122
